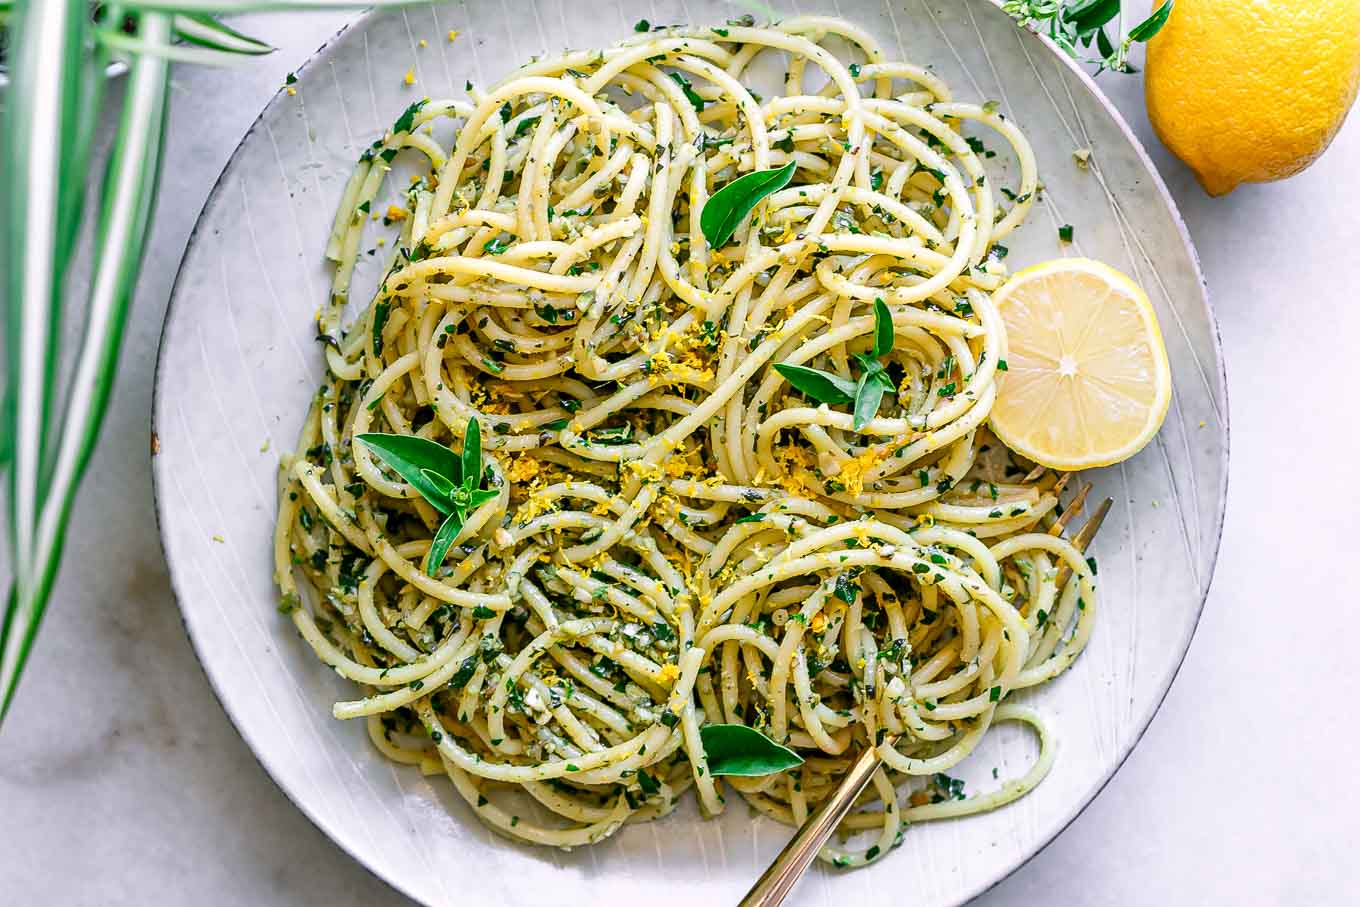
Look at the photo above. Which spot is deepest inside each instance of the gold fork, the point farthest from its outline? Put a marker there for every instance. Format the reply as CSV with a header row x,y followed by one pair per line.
x,y
777,881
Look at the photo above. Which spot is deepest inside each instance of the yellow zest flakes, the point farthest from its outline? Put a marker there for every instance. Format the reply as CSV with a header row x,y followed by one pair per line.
x,y
410,77
668,674
453,35
523,468
647,472
291,91
853,471
925,519
818,623
395,213
424,43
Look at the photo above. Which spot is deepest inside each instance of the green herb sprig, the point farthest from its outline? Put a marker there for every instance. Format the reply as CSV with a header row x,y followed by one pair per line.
x,y
449,482
728,207
867,392
735,749
1074,25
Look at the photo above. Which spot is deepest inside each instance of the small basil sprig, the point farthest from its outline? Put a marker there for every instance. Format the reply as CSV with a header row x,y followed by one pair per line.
x,y
451,483
1070,23
727,207
735,749
867,393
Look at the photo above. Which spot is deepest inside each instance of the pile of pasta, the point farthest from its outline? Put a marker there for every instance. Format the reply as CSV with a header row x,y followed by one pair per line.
x,y
679,537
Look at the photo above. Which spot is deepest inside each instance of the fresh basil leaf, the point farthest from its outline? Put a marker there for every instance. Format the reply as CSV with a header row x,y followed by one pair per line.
x,y
875,371
478,498
441,483
735,749
728,207
408,456
1144,30
1087,15
883,329
556,424
751,518
690,94
442,541
1104,46
846,589
824,387
648,784
472,456
868,395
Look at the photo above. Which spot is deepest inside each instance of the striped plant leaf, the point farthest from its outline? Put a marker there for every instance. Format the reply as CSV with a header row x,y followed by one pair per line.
x,y
51,111
205,31
125,211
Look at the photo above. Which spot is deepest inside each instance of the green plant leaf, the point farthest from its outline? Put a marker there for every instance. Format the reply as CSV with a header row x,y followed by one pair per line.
x,y
442,541
439,482
1104,47
205,31
874,370
478,498
690,94
735,749
407,121
1144,30
846,589
412,458
824,387
472,456
868,395
728,207
54,73
1087,15
883,329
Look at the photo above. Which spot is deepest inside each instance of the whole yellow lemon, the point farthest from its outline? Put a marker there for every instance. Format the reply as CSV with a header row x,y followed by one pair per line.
x,y
1252,90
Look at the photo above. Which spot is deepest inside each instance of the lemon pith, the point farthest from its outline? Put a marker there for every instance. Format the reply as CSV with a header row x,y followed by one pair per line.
x,y
1252,90
1087,381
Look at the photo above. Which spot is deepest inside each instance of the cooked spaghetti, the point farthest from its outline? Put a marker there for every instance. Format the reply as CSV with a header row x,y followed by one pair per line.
x,y
677,536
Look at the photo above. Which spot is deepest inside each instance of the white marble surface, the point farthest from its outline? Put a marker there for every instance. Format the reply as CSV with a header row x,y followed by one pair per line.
x,y
122,782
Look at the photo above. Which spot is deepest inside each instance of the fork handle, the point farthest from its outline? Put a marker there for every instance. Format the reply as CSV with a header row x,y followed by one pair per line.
x,y
777,881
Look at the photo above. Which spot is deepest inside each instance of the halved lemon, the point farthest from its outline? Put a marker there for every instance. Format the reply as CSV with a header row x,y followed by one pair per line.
x,y
1087,381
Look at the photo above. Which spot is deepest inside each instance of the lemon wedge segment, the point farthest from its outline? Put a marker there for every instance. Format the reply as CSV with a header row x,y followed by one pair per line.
x,y
1087,381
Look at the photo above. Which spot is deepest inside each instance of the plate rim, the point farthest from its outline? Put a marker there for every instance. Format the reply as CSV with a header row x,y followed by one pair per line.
x,y
1144,721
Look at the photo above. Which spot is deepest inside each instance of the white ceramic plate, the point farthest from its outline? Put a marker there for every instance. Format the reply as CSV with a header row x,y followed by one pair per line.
x,y
239,361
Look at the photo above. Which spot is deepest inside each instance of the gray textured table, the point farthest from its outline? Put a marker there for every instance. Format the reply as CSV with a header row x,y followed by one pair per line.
x,y
122,782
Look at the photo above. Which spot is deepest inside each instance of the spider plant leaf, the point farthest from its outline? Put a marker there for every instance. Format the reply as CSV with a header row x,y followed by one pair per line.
x,y
41,197
205,31
126,202
136,45
214,7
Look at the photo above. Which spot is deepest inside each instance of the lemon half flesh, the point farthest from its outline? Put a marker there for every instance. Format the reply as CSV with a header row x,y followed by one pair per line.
x,y
1087,381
